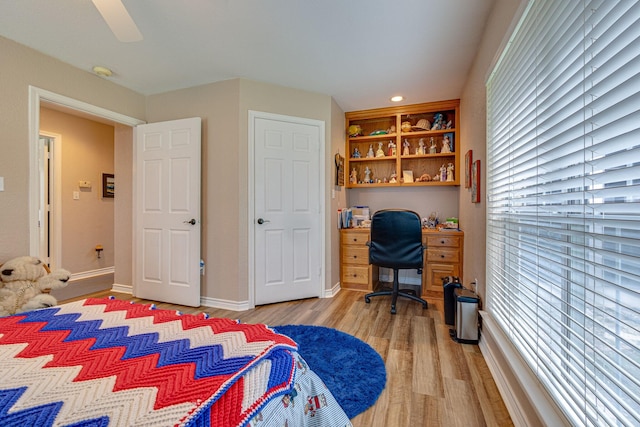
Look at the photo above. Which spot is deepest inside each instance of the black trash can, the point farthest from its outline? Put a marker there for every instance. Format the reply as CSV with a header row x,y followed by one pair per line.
x,y
450,284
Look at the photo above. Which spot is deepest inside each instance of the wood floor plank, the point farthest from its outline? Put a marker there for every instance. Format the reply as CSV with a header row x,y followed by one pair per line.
x,y
431,380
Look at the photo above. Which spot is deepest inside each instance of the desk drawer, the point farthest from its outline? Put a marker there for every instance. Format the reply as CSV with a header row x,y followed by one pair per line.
x,y
353,274
443,255
355,238
355,255
443,241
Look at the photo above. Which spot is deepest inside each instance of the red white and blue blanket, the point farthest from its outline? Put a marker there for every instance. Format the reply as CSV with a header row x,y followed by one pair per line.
x,y
100,362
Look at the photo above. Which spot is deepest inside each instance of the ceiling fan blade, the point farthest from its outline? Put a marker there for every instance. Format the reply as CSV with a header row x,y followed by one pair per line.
x,y
119,20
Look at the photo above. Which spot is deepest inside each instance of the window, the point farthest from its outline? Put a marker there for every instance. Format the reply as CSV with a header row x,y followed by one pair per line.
x,y
563,209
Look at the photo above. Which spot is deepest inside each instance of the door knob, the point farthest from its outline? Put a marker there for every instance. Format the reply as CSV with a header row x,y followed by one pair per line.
x,y
262,221
192,221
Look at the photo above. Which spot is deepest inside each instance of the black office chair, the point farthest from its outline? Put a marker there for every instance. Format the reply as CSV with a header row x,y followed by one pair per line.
x,y
396,243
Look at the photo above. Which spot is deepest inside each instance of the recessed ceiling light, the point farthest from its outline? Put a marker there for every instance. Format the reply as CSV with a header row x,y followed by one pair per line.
x,y
102,71
397,98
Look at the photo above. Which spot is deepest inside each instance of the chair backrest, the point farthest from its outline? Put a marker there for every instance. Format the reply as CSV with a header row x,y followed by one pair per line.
x,y
396,239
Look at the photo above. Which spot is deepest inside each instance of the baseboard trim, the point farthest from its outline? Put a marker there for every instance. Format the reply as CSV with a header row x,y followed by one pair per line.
x,y
91,273
528,403
330,293
123,289
225,304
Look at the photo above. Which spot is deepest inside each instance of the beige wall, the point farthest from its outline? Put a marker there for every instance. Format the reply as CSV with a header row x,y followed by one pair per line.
x,y
473,137
123,204
19,68
87,152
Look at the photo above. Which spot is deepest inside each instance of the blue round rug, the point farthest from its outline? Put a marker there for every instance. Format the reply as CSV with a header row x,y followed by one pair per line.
x,y
352,370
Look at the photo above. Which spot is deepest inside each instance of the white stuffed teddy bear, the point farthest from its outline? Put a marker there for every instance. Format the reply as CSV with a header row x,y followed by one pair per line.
x,y
22,281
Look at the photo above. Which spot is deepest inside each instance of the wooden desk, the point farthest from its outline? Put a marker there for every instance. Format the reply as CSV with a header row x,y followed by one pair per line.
x,y
443,257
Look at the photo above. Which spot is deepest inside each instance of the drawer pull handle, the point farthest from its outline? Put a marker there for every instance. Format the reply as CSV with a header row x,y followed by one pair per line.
x,y
441,256
355,257
442,242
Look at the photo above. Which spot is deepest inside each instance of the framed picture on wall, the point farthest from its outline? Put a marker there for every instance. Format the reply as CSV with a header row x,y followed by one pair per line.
x,y
475,182
339,170
468,160
108,185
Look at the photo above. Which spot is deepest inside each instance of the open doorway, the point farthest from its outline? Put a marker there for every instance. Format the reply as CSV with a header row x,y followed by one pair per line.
x,y
122,128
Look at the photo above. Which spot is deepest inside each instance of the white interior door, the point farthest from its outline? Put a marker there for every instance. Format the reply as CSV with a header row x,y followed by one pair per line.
x,y
287,208
167,211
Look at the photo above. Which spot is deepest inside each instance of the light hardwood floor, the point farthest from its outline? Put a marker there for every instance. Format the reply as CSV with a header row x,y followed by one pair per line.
x,y
431,380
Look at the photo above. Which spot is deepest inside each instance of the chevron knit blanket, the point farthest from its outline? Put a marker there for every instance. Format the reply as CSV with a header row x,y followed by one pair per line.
x,y
106,362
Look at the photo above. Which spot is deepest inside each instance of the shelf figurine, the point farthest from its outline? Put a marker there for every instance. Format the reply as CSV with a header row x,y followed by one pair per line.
x,y
450,173
353,178
391,149
405,149
438,121
356,153
370,152
367,175
443,173
420,149
433,149
380,151
446,144
394,178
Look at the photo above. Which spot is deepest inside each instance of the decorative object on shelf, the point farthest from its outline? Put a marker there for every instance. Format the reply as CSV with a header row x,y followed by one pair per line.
x,y
355,130
421,149
443,173
446,144
370,154
432,221
452,144
394,178
423,124
108,185
475,183
378,132
367,175
407,176
438,121
406,146
425,177
380,151
433,149
405,126
356,153
450,177
449,124
468,159
391,148
353,178
392,129
339,170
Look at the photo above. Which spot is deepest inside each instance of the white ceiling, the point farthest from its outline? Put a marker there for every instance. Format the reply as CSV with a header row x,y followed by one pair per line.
x,y
361,52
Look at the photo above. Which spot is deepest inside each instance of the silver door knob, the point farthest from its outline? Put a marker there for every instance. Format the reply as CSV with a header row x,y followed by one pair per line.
x,y
192,221
262,221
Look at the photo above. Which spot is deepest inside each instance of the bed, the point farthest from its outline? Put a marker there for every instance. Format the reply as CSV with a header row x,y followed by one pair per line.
x,y
108,362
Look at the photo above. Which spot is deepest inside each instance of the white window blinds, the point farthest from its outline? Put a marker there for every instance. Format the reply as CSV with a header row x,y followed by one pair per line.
x,y
563,209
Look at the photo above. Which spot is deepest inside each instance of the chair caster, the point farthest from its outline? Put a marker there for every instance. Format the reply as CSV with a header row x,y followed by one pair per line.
x,y
393,309
367,300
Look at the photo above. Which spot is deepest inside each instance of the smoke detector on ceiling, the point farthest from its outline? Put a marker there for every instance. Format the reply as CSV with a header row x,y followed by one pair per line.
x,y
102,71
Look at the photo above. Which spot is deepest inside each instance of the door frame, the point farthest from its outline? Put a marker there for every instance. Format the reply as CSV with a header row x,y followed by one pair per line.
x,y
36,97
253,115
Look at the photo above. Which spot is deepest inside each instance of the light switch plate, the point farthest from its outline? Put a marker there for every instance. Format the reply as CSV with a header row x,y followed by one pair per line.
x,y
1,183
76,195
